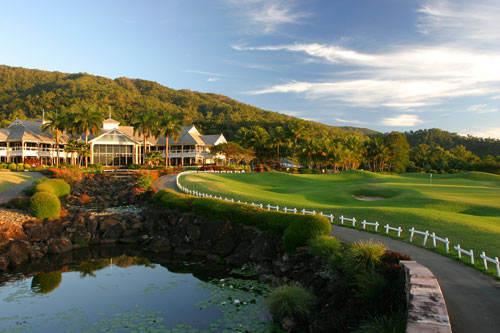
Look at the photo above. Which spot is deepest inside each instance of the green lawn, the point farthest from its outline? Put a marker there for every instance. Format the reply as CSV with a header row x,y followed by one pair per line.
x,y
10,179
464,207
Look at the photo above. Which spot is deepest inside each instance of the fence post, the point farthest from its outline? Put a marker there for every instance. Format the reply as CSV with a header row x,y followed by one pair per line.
x,y
268,207
472,256
376,226
425,237
447,245
353,221
457,247
363,223
434,239
485,262
295,210
342,219
498,266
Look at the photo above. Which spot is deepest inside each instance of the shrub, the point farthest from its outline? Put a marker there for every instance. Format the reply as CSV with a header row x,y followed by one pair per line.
x,y
96,167
392,323
27,166
44,205
303,228
13,167
324,246
172,200
365,254
30,190
290,301
46,282
18,203
134,166
69,175
3,165
56,186
20,167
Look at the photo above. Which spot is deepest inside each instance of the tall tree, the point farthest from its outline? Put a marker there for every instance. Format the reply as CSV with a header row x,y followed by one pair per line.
x,y
279,137
399,151
88,120
171,128
296,130
146,124
56,122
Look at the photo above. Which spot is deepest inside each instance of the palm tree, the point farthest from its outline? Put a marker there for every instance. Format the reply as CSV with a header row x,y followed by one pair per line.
x,y
88,120
311,148
55,124
146,123
296,130
258,138
279,137
71,147
171,127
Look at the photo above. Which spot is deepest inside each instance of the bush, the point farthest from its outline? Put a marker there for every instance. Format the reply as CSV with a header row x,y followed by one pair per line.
x,y
18,203
96,167
56,186
365,254
3,165
13,167
134,166
290,301
20,167
303,228
69,175
324,246
30,190
27,166
45,204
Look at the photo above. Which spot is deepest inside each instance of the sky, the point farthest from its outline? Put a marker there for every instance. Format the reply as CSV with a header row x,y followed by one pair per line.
x,y
381,64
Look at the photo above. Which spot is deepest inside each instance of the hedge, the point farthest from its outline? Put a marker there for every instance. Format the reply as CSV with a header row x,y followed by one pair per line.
x,y
56,186
296,229
44,205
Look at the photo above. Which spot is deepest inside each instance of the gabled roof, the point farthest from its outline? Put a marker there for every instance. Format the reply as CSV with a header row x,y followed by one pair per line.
x,y
26,130
110,121
213,139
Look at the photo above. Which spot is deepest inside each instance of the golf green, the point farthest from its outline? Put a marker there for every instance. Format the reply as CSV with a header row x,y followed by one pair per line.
x,y
464,207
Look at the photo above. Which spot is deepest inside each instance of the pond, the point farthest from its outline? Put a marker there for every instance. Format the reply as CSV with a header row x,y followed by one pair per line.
x,y
118,290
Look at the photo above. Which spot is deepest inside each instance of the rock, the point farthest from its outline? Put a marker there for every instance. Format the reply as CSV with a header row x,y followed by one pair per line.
x,y
59,245
240,255
287,324
183,250
225,247
19,252
193,232
262,247
37,232
4,261
10,231
112,229
160,244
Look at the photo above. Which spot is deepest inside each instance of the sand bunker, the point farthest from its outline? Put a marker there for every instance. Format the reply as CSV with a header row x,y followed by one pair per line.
x,y
367,198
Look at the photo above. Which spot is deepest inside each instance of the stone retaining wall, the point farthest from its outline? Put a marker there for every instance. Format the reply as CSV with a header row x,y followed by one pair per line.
x,y
426,306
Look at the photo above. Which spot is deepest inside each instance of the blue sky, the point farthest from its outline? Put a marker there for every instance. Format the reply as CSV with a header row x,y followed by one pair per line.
x,y
382,64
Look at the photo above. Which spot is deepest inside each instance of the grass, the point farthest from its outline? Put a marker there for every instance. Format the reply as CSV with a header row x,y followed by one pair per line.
x,y
10,179
464,207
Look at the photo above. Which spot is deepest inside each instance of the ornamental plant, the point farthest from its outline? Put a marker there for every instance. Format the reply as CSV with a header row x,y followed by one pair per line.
x,y
45,205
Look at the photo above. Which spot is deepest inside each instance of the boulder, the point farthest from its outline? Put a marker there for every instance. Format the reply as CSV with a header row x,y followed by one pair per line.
x,y
10,231
224,247
111,229
19,252
59,245
37,232
159,244
4,261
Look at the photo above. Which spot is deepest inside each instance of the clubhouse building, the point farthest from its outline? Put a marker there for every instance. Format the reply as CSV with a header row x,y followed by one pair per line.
x,y
114,145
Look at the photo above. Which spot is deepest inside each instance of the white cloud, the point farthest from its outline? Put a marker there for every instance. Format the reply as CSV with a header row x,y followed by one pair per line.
x,y
357,122
409,76
490,132
265,16
212,79
476,21
403,120
481,108
204,73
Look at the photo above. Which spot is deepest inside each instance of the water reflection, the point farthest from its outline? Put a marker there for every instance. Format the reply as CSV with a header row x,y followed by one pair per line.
x,y
123,289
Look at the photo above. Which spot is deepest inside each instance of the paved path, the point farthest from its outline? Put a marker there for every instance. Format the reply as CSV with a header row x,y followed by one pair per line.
x,y
472,298
16,191
167,181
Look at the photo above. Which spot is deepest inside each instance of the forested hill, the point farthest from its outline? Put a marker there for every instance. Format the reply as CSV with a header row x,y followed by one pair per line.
x,y
24,92
436,137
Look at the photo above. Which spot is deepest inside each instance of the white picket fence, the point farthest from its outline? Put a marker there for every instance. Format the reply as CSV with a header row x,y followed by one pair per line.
x,y
353,220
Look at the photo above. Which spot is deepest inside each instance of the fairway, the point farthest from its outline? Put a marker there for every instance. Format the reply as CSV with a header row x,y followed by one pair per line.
x,y
464,207
10,179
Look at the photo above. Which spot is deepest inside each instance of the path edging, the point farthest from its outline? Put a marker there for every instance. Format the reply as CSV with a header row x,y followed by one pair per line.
x,y
426,305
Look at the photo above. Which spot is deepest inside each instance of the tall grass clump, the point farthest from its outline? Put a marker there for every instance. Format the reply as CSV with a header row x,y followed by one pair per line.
x,y
290,301
301,230
365,254
324,246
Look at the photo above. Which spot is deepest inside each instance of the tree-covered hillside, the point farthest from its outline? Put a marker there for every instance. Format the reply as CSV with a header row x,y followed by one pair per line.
x,y
25,92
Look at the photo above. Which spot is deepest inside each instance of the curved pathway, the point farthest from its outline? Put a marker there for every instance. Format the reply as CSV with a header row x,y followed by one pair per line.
x,y
472,298
16,191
